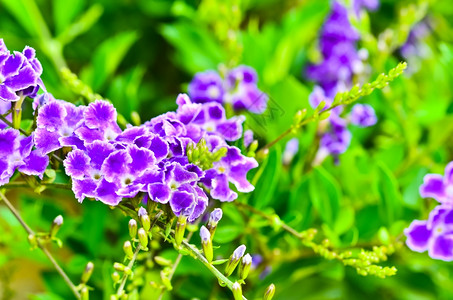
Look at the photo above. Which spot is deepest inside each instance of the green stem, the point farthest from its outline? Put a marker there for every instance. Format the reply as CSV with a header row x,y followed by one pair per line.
x,y
16,184
43,249
130,265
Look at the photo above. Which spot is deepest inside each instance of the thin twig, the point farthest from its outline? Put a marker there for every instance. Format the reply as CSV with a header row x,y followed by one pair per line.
x,y
130,265
16,184
44,249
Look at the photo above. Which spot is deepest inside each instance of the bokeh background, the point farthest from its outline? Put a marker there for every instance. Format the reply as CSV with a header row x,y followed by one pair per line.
x,y
140,54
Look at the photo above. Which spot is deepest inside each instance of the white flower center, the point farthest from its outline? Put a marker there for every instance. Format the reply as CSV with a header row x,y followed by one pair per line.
x,y
449,191
213,92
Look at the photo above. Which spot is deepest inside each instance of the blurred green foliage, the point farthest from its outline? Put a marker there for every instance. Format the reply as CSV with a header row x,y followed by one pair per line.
x,y
141,53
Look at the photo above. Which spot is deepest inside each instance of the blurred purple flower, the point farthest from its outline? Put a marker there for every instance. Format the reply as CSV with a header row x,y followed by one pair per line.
x,y
363,115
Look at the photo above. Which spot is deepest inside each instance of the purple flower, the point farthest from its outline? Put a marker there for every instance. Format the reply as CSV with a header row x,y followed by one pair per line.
x,y
239,89
56,125
178,188
370,5
338,46
206,87
231,168
16,152
291,149
4,107
215,216
19,74
99,123
363,115
434,235
338,138
205,234
248,138
439,187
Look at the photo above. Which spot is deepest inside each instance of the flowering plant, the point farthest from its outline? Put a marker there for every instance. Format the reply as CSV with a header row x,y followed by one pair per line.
x,y
224,150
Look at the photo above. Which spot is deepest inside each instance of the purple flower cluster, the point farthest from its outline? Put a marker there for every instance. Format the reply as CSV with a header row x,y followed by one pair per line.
x,y
109,164
20,74
337,44
334,73
238,88
17,152
435,235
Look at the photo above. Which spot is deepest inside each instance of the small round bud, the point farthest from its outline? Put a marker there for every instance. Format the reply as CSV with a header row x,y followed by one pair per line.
x,y
32,240
56,224
119,267
237,291
269,294
87,272
116,277
132,228
143,237
127,247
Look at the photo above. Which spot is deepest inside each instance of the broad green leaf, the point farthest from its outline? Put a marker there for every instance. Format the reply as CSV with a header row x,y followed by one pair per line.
x,y
64,12
390,199
263,194
107,58
325,195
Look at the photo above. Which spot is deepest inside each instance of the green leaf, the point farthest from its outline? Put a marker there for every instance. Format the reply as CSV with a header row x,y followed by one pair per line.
x,y
83,24
64,12
390,199
107,58
22,10
265,187
325,195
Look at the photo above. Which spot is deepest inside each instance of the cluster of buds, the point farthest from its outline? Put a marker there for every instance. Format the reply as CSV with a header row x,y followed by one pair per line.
x,y
207,233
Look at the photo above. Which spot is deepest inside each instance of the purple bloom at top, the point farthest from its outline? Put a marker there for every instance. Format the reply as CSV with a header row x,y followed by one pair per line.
x,y
439,187
434,235
56,125
337,43
206,87
363,115
19,74
16,153
239,88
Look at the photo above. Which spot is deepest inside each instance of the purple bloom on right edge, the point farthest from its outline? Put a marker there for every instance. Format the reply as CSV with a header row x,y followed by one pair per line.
x,y
439,187
434,235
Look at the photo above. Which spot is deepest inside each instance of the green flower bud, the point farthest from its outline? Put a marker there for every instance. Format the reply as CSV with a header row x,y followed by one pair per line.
x,y
180,229
234,260
87,272
84,293
32,240
245,266
56,224
135,117
206,243
132,228
116,277
119,267
127,247
144,218
269,294
143,237
237,291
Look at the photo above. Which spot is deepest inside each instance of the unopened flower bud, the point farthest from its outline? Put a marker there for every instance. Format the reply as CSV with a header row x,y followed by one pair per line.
x,y
206,243
32,240
56,224
113,297
144,218
237,291
132,228
234,260
135,117
116,277
87,272
143,237
269,294
119,267
127,247
180,229
84,293
214,219
245,266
